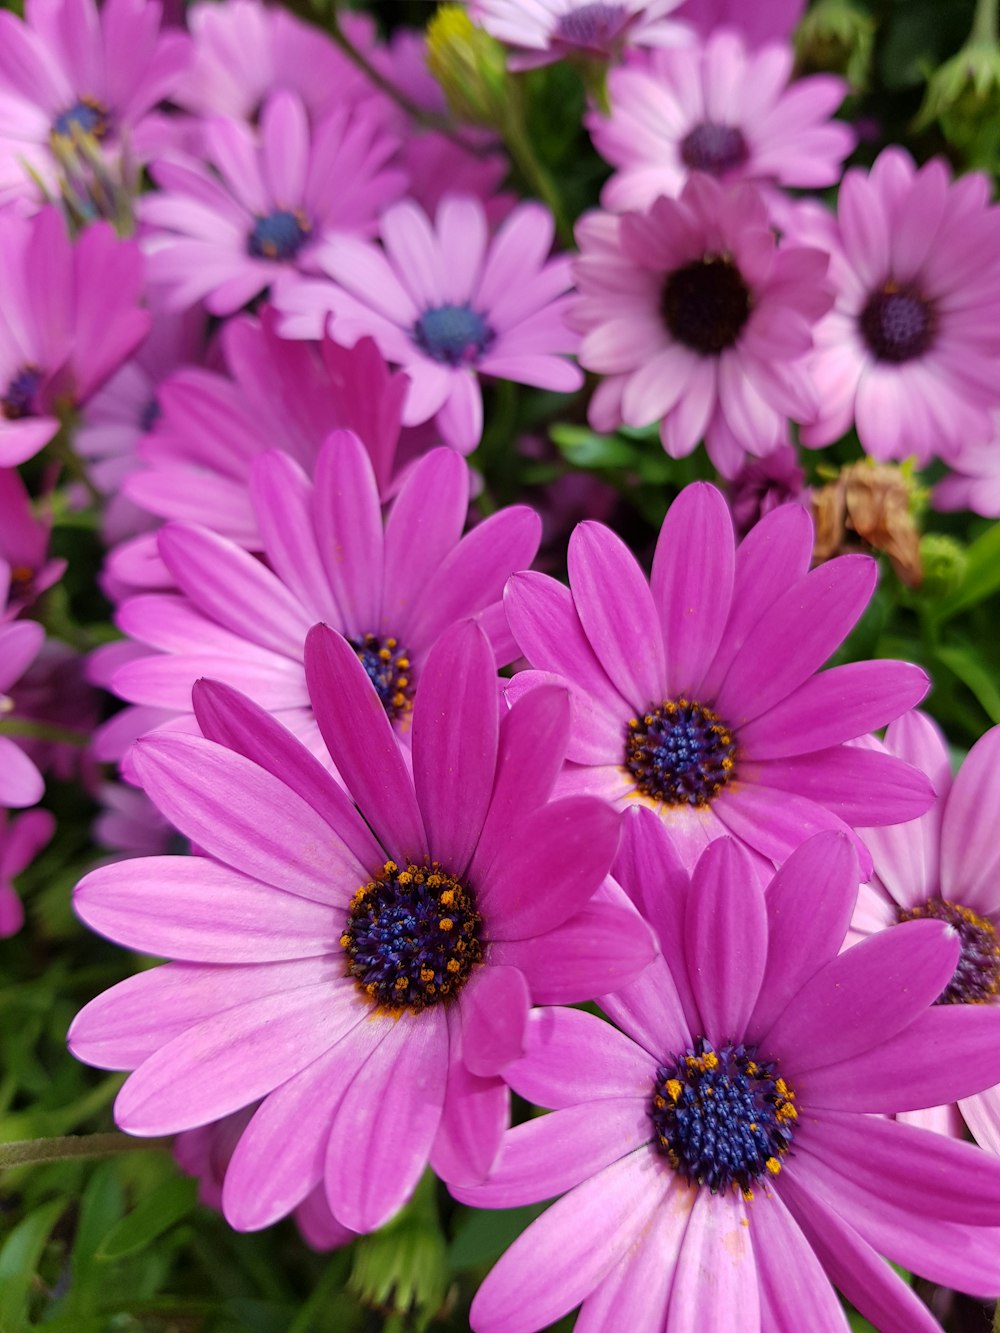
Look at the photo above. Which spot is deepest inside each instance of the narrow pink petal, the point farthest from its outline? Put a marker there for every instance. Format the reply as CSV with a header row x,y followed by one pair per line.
x,y
246,817
775,822
384,1127
455,730
459,419
494,1008
716,1273
790,1275
360,739
284,142
21,783
571,1058
348,519
970,849
282,501
860,784
476,1113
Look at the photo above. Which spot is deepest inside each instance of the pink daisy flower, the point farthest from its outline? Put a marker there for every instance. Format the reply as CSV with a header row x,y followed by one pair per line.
x,y
699,321
25,568
549,30
69,316
762,484
697,693
331,558
447,304
942,866
908,353
267,204
368,971
21,840
725,1153
770,22
722,109
72,69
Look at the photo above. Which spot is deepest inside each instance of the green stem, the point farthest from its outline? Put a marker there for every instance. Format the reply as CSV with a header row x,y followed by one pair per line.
x,y
41,731
61,449
536,175
984,25
29,1152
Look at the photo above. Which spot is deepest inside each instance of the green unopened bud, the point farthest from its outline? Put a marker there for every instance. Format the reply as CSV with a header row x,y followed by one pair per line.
x,y
836,37
469,65
402,1269
944,561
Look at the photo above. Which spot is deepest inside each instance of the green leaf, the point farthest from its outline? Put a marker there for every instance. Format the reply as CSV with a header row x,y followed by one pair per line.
x,y
584,449
982,577
485,1236
19,1261
151,1217
961,659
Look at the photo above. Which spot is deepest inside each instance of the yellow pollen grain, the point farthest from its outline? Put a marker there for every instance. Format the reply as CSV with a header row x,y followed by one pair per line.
x,y
773,1165
674,1088
401,983
453,964
711,1060
426,974
447,898
445,923
384,655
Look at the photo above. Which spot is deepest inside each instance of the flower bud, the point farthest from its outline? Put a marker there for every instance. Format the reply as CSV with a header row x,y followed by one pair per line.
x,y
469,65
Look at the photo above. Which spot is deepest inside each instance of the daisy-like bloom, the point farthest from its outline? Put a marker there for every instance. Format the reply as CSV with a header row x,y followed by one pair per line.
x,y
391,587
725,1152
544,31
943,867
758,24
21,839
367,970
20,642
69,316
698,320
448,304
908,354
264,203
719,108
762,484
698,694
25,568
72,71
974,481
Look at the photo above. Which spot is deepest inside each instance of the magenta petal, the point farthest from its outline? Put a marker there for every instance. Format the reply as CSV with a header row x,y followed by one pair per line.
x,y
571,1057
553,863
862,997
970,849
835,706
193,909
617,612
795,636
860,785
775,822
809,904
692,583
649,1011
476,1113
21,783
725,933
384,1127
231,1059
949,1052
531,746
360,739
281,1153
494,1008
455,727
790,1276
556,1262
715,1272
283,500
424,524
348,520
246,817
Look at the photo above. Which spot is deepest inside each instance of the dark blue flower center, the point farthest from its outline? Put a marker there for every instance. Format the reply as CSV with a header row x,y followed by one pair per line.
x,y
722,1119
151,414
388,667
897,324
280,235
976,979
85,117
713,148
412,937
706,304
455,335
595,25
20,398
680,753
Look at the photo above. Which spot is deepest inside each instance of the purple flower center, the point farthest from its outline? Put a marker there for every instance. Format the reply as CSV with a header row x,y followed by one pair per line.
x,y
151,414
706,304
20,398
455,335
388,668
412,937
280,235
721,1118
976,979
714,148
897,325
595,25
85,117
680,753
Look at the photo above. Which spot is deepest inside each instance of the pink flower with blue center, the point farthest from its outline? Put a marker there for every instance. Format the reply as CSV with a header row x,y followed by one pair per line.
x,y
543,31
723,1153
447,303
69,316
908,353
366,967
21,839
698,692
262,204
699,320
392,586
723,109
71,69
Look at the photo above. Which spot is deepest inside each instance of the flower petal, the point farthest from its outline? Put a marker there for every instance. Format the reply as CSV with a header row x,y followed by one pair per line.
x,y
494,1008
